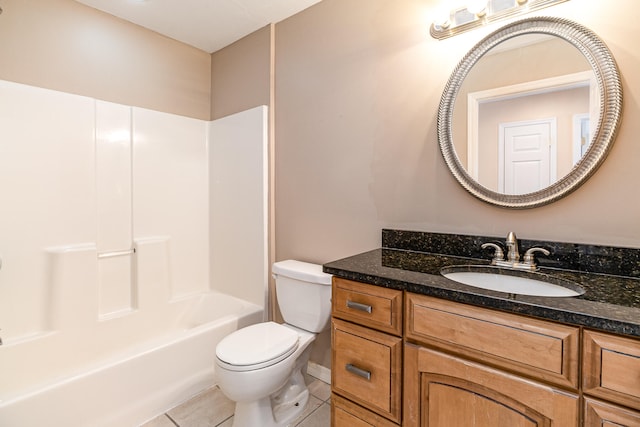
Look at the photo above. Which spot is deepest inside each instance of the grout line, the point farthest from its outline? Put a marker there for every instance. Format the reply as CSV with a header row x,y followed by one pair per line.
x,y
223,421
172,420
308,415
311,413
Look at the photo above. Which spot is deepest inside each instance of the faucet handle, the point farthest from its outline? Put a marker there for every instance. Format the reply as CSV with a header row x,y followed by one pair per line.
x,y
528,257
498,255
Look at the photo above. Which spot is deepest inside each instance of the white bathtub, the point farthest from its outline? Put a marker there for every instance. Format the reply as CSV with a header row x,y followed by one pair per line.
x,y
141,382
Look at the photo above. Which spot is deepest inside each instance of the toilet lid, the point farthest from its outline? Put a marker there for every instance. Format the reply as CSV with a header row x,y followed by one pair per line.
x,y
257,344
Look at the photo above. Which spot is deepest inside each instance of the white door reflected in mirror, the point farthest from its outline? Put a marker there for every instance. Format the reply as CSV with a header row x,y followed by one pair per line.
x,y
527,156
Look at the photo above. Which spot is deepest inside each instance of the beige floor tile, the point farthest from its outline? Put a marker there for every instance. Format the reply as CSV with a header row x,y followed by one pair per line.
x,y
212,409
227,423
321,417
207,409
161,421
320,389
313,404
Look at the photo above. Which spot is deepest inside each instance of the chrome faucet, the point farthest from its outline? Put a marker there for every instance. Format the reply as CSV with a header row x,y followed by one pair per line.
x,y
513,254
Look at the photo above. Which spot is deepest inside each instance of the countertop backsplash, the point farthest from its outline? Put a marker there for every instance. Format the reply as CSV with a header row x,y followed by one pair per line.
x,y
610,260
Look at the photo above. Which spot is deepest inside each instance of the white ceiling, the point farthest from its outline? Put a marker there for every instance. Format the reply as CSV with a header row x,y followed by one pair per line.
x,y
206,24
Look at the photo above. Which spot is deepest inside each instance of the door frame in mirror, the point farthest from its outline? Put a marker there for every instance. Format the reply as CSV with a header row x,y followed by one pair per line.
x,y
552,84
609,113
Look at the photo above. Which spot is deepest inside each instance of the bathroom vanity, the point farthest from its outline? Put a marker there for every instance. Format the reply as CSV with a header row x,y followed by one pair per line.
x,y
413,348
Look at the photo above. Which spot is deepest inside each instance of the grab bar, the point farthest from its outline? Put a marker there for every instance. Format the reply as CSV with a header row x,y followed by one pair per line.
x,y
116,253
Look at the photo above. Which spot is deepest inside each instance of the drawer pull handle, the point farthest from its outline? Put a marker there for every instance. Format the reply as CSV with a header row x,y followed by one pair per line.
x,y
358,306
359,372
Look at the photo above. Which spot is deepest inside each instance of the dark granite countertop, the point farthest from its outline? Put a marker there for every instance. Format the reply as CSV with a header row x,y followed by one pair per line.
x,y
611,303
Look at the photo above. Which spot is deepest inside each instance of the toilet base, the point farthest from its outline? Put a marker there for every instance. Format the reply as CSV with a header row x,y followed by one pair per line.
x,y
260,413
256,413
274,411
289,402
280,408
287,413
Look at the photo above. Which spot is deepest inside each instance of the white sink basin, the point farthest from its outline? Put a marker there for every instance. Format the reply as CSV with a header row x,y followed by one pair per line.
x,y
504,281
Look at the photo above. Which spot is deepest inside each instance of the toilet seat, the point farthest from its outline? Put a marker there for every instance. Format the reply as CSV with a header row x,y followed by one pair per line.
x,y
256,346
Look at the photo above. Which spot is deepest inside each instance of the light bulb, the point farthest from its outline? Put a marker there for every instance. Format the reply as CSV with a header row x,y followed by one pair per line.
x,y
442,20
477,7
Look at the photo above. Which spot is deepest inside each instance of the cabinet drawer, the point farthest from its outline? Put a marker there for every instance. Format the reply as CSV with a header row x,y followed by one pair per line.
x,y
366,368
347,414
598,414
373,306
531,347
612,368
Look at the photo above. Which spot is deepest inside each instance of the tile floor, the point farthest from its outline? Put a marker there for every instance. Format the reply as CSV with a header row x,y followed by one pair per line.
x,y
212,409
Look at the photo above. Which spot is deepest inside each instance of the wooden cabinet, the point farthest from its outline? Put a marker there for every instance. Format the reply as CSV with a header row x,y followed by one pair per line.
x,y
413,360
443,390
489,375
366,374
611,372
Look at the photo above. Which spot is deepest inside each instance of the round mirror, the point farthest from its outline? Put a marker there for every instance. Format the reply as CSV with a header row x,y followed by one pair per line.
x,y
530,112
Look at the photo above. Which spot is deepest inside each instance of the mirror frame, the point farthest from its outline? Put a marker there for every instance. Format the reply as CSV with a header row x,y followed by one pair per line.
x,y
610,110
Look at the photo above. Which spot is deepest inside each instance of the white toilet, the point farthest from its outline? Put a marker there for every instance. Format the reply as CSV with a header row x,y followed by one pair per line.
x,y
261,367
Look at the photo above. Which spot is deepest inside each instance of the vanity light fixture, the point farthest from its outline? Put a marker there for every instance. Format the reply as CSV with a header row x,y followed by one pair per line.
x,y
441,22
480,12
478,7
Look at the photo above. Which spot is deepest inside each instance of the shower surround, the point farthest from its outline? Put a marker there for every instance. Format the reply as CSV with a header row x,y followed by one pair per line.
x,y
117,223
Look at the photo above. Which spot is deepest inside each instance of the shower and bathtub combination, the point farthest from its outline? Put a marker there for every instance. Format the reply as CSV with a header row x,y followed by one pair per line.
x,y
133,241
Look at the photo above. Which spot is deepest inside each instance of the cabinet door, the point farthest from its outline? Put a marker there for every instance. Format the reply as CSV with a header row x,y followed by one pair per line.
x,y
445,391
612,368
598,414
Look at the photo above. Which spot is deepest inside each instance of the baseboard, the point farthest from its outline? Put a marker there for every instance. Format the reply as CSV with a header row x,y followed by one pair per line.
x,y
320,372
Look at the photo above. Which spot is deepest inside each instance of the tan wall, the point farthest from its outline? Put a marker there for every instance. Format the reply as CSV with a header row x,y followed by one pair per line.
x,y
67,46
358,83
241,74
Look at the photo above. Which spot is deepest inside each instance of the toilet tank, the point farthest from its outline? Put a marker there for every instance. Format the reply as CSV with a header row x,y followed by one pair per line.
x,y
304,294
